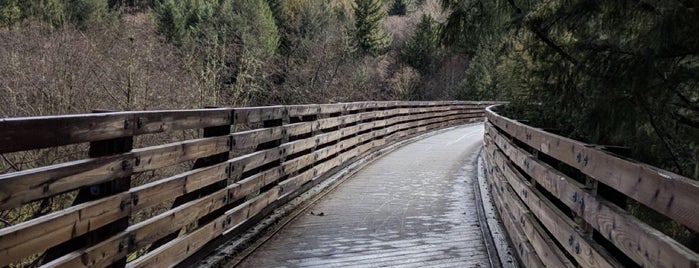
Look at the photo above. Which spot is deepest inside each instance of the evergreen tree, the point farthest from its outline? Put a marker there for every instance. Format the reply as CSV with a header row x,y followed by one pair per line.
x,y
55,12
9,13
368,36
605,72
421,50
398,7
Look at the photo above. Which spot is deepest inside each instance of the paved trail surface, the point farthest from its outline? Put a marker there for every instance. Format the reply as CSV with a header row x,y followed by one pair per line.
x,y
414,207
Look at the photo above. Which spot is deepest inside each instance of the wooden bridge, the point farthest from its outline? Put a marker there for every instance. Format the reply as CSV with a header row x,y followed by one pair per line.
x,y
369,184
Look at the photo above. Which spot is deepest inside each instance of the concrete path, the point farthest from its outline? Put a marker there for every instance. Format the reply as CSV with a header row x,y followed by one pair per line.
x,y
414,207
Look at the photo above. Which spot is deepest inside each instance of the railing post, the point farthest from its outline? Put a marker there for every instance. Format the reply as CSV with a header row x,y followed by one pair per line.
x,y
94,192
200,163
607,192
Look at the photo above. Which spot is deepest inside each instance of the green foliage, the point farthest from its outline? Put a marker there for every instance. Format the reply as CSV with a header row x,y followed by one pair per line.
x,y
422,49
300,22
248,22
84,12
398,7
256,29
181,19
9,13
231,38
606,72
367,34
55,12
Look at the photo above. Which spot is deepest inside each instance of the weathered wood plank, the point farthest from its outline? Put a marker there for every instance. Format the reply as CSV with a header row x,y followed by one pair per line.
x,y
578,245
179,249
303,110
163,121
290,185
523,248
250,161
29,185
296,164
250,139
144,233
332,108
249,115
30,237
155,157
640,242
668,193
256,182
300,128
27,238
25,133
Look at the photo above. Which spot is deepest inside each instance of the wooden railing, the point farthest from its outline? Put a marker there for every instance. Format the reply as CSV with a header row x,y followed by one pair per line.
x,y
108,218
563,202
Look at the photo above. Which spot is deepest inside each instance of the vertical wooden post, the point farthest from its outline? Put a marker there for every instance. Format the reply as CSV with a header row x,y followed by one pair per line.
x,y
610,193
99,149
200,163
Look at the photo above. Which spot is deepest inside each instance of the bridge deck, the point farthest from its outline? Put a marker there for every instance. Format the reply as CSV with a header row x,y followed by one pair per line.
x,y
414,207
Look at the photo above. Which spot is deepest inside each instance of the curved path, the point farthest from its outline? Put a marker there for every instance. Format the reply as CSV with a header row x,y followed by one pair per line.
x,y
415,207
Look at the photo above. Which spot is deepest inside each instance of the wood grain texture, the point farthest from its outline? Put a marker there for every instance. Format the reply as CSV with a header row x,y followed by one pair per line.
x,y
524,250
29,185
179,249
563,229
17,134
249,115
640,242
164,121
369,125
24,239
670,194
146,232
25,133
545,249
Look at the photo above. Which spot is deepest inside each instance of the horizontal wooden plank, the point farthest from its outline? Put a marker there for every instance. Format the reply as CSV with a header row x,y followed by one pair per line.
x,y
18,134
250,139
668,193
254,183
298,163
524,250
28,185
297,146
146,232
290,185
29,237
586,252
547,251
303,110
163,121
156,192
250,161
179,249
155,157
640,242
249,115
33,184
33,236
300,128
25,133
333,108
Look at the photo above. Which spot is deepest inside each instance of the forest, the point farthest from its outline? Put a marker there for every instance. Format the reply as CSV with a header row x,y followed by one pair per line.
x,y
616,73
